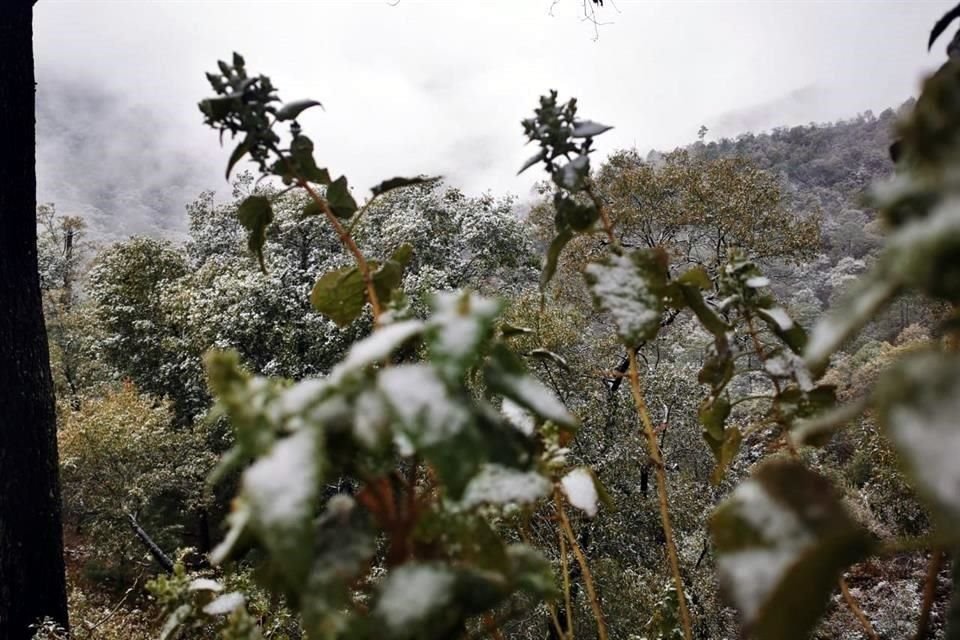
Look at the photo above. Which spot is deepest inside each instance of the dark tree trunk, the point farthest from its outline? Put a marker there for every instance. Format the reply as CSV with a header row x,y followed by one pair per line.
x,y
31,553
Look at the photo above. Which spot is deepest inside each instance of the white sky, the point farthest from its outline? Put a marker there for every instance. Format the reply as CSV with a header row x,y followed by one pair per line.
x,y
439,86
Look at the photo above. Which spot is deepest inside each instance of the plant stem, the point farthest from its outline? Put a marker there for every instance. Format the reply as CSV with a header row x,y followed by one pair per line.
x,y
858,613
584,567
566,580
929,593
347,240
653,447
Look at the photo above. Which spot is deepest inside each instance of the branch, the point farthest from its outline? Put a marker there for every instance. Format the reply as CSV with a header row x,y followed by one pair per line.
x,y
162,559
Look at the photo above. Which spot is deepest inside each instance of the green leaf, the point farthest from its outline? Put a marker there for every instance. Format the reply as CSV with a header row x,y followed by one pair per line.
x,y
553,254
713,415
539,157
871,294
398,182
340,200
256,214
531,573
631,288
508,330
724,452
784,327
572,214
418,601
282,488
389,276
783,539
461,325
241,150
697,277
505,374
709,318
918,401
549,356
588,129
291,110
301,154
311,209
340,295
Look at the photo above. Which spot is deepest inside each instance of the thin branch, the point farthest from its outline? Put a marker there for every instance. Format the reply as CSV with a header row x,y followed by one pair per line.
x,y
657,460
857,611
929,594
584,567
566,583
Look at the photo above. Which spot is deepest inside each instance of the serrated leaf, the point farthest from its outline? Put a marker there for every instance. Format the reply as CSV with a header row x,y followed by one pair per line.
x,y
918,402
256,214
783,539
630,287
399,182
291,110
340,200
340,295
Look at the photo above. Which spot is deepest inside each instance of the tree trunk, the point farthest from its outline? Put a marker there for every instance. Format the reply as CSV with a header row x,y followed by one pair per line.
x,y
32,583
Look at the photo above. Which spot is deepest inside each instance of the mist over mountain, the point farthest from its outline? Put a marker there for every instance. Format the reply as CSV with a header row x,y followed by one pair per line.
x,y
113,162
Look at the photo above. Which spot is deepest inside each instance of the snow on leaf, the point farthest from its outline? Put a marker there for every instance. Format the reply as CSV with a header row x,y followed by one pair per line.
x,y
420,399
630,287
758,282
377,346
783,539
227,603
238,519
589,128
579,487
572,174
412,593
777,315
459,325
517,416
496,484
371,419
919,401
532,394
205,584
831,331
281,487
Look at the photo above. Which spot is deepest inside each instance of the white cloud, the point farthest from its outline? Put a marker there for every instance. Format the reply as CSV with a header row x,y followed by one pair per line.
x,y
440,86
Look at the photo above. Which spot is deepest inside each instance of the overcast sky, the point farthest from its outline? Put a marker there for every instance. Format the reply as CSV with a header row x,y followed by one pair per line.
x,y
439,86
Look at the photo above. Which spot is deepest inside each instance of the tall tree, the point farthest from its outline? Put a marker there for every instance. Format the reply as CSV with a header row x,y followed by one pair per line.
x,y
32,584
